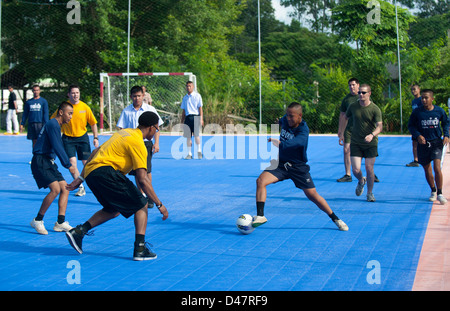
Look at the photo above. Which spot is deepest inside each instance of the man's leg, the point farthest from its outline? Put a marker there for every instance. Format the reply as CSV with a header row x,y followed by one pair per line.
x,y
262,182
356,168
370,173
439,179
321,203
38,222
141,252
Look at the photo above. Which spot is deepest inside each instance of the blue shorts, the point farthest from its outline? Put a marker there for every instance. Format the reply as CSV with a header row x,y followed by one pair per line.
x,y
45,171
298,173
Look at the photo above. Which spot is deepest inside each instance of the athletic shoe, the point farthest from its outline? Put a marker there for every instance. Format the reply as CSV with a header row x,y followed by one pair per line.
x,y
341,225
413,164
142,252
376,179
16,133
81,191
258,221
360,187
370,197
189,157
345,178
441,199
7,133
433,196
199,155
75,237
62,227
39,226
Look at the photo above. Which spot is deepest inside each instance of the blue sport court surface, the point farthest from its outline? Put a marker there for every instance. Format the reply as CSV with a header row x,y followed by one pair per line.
x,y
199,247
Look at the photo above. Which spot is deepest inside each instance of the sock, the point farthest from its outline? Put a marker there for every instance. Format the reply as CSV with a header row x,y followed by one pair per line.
x,y
333,217
433,189
260,208
199,148
61,219
439,191
139,238
86,226
190,152
39,217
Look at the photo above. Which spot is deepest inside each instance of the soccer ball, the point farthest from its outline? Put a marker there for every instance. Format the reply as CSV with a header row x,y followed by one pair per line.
x,y
244,224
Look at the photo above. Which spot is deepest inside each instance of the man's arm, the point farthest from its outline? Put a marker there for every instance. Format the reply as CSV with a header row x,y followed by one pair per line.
x,y
79,180
343,121
146,186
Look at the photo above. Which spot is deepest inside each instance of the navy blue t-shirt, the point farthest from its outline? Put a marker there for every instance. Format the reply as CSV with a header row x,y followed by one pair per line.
x,y
293,142
35,110
428,123
50,143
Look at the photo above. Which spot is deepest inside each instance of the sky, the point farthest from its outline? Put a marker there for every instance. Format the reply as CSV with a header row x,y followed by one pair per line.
x,y
281,13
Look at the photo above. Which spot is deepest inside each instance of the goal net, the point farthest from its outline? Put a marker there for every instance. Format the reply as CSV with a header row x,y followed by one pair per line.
x,y
165,88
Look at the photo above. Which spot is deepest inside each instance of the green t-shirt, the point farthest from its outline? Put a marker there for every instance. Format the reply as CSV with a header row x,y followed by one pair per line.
x,y
365,119
348,99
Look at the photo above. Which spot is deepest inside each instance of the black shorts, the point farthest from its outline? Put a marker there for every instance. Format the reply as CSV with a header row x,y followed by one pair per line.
x,y
363,151
430,151
33,130
77,146
44,170
115,192
149,146
298,173
193,125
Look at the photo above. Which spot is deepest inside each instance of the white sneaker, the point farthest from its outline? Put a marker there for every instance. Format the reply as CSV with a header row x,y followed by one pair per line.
x,y
39,226
62,227
433,196
81,192
258,221
441,199
341,225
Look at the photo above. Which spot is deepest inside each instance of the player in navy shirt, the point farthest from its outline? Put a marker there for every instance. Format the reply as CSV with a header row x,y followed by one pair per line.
x,y
36,111
292,159
425,126
45,171
416,102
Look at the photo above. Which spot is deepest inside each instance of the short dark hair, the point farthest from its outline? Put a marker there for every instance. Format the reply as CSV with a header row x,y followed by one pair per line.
x,y
427,91
63,105
295,105
136,89
72,86
148,118
353,79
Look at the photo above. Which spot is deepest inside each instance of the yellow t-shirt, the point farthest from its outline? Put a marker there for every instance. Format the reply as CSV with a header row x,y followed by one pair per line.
x,y
124,151
82,115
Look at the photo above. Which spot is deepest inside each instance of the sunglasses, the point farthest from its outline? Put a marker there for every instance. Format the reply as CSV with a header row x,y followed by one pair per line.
x,y
157,129
364,93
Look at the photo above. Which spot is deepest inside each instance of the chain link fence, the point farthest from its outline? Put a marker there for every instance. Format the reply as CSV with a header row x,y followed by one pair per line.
x,y
303,51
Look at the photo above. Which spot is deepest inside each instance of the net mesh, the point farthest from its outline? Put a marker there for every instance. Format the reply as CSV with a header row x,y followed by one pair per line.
x,y
166,92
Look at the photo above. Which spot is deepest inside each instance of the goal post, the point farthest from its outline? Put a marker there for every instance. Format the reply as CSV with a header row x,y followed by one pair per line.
x,y
166,89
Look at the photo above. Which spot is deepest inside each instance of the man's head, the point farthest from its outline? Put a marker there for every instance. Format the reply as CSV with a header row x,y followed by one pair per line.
x,y
353,86
294,113
65,112
148,123
137,95
415,90
189,87
36,91
74,94
427,98
364,92
10,87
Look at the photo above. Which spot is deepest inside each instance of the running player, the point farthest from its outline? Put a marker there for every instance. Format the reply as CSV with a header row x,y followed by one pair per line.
x,y
105,172
292,165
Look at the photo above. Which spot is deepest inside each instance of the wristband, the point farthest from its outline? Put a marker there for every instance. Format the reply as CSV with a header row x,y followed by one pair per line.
x,y
159,206
96,138
81,178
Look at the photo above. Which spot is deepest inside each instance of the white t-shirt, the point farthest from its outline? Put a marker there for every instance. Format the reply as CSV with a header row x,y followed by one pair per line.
x,y
191,103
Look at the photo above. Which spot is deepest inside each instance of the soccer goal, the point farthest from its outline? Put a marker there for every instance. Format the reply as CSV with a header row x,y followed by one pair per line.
x,y
166,89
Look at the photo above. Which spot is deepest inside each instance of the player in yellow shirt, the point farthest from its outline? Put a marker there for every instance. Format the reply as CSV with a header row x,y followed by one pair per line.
x,y
75,137
105,173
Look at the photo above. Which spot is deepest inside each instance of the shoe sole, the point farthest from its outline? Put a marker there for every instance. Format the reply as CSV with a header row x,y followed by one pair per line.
x,y
256,225
144,258
73,243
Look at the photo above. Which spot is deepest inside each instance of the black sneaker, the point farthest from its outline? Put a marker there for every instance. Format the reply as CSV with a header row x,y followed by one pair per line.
x,y
75,237
413,164
376,179
142,252
345,178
